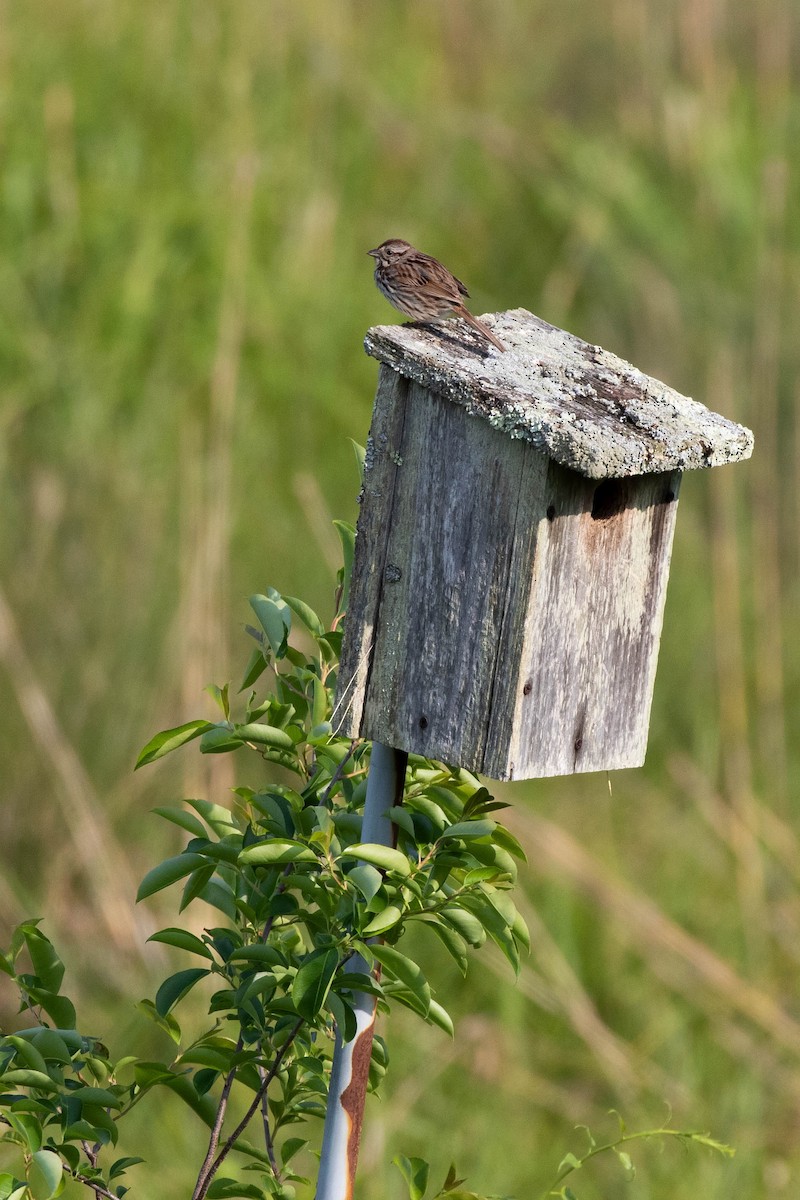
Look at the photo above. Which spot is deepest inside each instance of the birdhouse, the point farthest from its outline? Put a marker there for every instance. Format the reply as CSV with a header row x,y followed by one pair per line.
x,y
513,548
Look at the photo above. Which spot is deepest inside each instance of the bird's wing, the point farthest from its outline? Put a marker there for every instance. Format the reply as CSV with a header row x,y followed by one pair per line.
x,y
437,279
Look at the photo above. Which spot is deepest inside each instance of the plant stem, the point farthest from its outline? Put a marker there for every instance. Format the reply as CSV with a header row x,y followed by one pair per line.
x,y
337,774
96,1187
208,1173
203,1176
684,1135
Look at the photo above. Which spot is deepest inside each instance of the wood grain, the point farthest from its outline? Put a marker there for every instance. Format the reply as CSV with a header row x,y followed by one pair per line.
x,y
589,648
505,612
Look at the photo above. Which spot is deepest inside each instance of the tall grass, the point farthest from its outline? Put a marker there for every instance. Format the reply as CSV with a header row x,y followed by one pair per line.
x,y
187,193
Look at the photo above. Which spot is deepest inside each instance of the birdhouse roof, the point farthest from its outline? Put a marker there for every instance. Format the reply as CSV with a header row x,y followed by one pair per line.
x,y
579,404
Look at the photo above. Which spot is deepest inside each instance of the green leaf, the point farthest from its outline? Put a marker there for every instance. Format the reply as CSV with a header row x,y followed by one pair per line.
x,y
182,818
102,1121
27,1077
121,1165
275,619
256,666
466,924
94,1095
276,850
312,982
219,739
361,454
265,735
441,1017
46,1175
385,857
452,1180
59,1008
232,1189
306,615
508,842
404,969
258,952
46,963
28,1126
219,819
521,932
367,879
169,1025
384,920
415,1173
347,536
502,903
401,817
196,884
11,1188
176,986
170,739
343,1015
453,942
220,697
28,1055
470,829
480,875
320,734
291,1147
320,707
207,1056
53,1043
183,939
167,872
568,1164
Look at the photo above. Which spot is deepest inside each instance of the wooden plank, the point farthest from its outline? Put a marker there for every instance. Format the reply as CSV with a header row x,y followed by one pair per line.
x,y
445,582
593,625
581,405
376,500
505,613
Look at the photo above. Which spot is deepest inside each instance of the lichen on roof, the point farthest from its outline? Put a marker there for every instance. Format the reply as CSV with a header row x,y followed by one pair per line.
x,y
583,406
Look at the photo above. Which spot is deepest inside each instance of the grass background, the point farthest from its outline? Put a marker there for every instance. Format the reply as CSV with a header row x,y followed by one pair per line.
x,y
187,192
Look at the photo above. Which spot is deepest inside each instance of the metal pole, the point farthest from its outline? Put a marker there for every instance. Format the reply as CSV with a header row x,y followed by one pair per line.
x,y
350,1072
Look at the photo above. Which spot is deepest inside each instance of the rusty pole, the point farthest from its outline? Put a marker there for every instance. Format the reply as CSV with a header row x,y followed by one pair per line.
x,y
350,1072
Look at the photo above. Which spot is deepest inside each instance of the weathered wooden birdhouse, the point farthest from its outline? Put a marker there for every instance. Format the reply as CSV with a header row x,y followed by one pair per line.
x,y
513,548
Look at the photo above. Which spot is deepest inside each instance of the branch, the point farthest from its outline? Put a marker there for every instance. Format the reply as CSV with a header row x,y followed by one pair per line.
x,y
96,1187
205,1172
202,1187
337,774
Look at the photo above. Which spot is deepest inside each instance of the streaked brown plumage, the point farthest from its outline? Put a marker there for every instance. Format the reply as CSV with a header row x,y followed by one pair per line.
x,y
420,287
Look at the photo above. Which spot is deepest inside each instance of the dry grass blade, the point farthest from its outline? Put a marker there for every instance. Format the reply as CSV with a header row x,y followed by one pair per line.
x,y
624,1067
94,845
674,955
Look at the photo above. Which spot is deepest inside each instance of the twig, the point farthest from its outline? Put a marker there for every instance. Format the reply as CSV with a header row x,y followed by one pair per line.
x,y
96,1187
205,1171
91,1153
202,1189
337,774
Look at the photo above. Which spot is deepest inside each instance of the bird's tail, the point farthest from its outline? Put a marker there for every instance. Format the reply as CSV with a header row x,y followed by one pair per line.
x,y
481,328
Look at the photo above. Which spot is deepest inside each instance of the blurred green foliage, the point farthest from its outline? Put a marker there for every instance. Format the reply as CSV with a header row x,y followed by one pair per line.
x,y
187,190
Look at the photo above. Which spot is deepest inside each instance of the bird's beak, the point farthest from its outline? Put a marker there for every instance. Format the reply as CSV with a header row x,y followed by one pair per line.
x,y
373,253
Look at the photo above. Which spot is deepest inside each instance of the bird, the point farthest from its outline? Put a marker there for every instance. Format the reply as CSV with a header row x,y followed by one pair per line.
x,y
421,287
